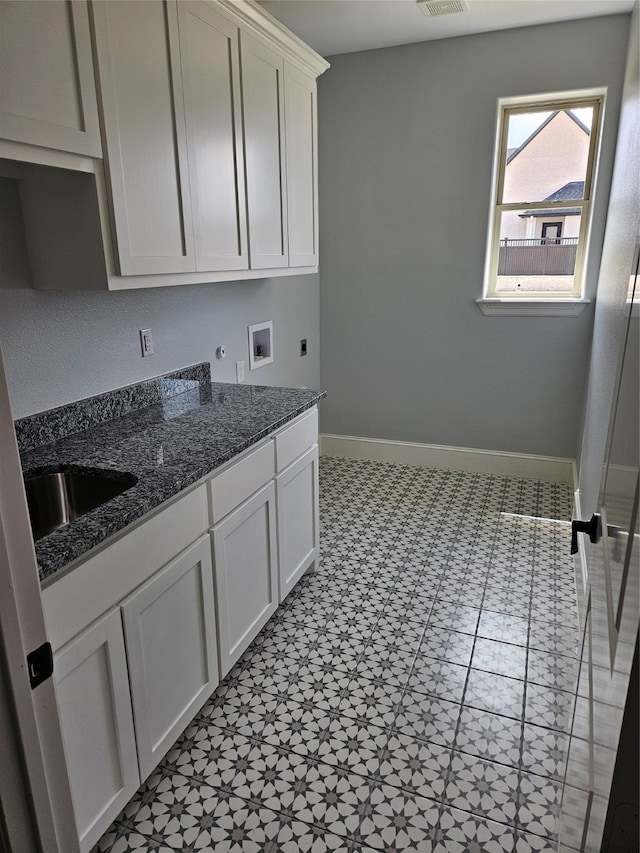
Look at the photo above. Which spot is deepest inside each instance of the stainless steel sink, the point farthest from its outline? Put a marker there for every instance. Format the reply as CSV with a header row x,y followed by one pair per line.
x,y
58,497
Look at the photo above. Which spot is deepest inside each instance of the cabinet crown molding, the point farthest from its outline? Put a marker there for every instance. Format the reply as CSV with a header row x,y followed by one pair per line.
x,y
257,22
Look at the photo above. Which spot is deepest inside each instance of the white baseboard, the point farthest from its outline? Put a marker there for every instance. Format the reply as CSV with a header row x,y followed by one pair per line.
x,y
547,468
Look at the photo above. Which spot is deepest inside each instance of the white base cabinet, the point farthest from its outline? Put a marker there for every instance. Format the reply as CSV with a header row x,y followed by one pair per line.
x,y
126,693
245,557
298,519
171,645
92,688
147,626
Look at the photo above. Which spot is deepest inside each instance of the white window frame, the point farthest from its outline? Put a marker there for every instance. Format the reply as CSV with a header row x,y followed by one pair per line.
x,y
538,303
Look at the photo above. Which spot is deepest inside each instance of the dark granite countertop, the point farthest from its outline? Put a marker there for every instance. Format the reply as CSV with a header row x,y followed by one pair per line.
x,y
168,446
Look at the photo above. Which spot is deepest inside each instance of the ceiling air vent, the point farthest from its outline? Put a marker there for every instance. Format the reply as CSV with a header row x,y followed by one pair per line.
x,y
441,7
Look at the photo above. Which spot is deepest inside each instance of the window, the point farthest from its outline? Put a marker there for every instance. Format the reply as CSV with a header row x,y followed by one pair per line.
x,y
542,198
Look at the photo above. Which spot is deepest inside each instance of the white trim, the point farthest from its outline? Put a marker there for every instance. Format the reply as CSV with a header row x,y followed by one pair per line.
x,y
24,153
547,468
22,629
552,100
496,307
260,24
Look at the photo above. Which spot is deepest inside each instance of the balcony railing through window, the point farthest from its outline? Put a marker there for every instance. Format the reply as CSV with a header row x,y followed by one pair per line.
x,y
537,256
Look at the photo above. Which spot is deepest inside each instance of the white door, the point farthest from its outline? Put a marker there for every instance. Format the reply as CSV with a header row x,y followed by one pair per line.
x,y
138,59
613,616
33,770
209,55
171,645
263,113
48,96
246,573
302,166
92,686
298,519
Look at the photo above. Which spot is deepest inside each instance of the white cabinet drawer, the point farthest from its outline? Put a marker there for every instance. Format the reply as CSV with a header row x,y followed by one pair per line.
x,y
82,595
231,487
295,439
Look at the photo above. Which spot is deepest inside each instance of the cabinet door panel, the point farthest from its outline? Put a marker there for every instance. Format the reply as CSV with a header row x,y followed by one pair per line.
x,y
47,89
298,522
245,568
170,633
262,92
302,170
141,89
211,75
97,726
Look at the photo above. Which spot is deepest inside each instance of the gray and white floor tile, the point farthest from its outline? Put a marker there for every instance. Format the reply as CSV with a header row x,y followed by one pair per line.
x,y
413,694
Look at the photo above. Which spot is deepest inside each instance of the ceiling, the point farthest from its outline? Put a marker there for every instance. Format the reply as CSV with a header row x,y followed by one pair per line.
x,y
345,26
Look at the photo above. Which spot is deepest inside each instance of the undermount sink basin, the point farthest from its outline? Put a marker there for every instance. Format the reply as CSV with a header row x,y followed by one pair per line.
x,y
56,498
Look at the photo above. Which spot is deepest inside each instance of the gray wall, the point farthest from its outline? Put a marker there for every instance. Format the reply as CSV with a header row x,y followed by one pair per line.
x,y
623,229
406,142
59,347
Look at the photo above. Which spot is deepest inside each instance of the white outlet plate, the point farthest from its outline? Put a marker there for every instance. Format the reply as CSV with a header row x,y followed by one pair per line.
x,y
146,342
239,371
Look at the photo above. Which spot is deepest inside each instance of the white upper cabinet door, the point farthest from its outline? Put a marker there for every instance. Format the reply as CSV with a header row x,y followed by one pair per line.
x,y
170,631
263,113
211,79
302,167
143,116
92,689
47,87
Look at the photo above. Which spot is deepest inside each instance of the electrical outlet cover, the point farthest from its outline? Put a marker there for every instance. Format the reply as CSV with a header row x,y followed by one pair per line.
x,y
146,342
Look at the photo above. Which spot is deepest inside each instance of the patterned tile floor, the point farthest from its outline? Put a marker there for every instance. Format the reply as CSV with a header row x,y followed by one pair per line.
x,y
412,695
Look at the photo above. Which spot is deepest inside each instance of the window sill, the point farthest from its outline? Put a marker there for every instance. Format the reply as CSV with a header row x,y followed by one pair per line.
x,y
495,307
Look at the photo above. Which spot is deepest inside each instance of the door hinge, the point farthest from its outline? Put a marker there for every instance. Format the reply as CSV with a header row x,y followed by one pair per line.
x,y
40,664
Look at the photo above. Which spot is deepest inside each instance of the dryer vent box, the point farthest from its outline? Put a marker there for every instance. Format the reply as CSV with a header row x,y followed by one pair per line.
x,y
430,8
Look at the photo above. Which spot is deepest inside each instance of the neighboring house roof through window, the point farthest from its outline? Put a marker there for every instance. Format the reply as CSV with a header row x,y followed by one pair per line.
x,y
572,191
569,192
513,152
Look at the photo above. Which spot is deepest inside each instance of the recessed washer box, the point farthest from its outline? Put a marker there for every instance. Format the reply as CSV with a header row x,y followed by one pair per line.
x,y
260,344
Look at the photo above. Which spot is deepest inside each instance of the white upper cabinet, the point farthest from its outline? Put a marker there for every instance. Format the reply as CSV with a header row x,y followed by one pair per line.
x,y
207,114
211,80
302,166
47,95
146,152
280,137
263,113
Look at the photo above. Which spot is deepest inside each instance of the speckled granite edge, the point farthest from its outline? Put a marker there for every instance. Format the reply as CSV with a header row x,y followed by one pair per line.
x,y
54,424
168,447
